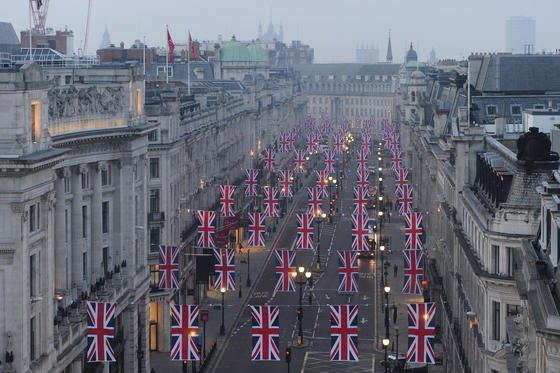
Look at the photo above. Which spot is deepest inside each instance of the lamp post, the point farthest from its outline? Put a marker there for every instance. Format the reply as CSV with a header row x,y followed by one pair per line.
x,y
397,344
320,216
223,327
248,283
381,252
302,276
386,342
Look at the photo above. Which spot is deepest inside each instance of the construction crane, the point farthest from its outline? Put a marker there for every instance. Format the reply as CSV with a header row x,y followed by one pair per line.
x,y
87,27
39,10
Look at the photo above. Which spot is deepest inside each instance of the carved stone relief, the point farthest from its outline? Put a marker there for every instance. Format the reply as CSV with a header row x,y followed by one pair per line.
x,y
70,101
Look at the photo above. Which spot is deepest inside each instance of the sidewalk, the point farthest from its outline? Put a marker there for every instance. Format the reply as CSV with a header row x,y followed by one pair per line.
x,y
395,230
233,300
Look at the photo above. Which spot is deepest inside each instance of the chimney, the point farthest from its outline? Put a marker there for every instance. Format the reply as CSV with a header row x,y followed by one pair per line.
x,y
500,126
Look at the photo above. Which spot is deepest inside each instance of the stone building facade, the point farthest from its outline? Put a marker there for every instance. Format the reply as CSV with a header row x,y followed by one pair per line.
x,y
484,213
350,90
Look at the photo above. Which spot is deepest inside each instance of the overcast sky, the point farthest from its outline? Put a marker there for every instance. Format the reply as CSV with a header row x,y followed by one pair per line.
x,y
334,28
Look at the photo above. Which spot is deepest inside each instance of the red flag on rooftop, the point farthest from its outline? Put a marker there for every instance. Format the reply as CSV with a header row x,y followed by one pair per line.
x,y
192,49
170,47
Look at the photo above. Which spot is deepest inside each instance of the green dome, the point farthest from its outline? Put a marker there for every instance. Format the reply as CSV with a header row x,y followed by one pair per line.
x,y
234,51
257,53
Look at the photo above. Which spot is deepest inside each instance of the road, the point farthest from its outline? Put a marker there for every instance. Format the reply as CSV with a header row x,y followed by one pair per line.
x,y
313,355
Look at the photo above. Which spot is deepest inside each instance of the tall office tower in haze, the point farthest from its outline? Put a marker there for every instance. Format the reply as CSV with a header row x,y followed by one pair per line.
x,y
520,34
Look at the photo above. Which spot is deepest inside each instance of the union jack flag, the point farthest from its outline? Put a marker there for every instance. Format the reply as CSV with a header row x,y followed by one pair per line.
x,y
394,140
400,180
284,270
291,138
323,183
413,230
224,267
271,202
311,144
405,199
100,331
413,271
256,229
284,143
304,231
421,333
347,271
299,161
359,232
366,143
338,143
314,201
184,332
251,182
227,200
362,159
360,200
265,332
344,333
168,267
206,228
396,162
269,156
387,138
329,161
363,176
286,182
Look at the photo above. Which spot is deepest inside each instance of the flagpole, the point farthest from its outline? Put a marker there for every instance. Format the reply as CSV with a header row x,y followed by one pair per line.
x,y
144,67
468,91
30,28
167,56
189,64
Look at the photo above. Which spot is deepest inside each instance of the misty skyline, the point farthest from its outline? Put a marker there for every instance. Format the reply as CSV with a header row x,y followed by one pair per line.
x,y
333,28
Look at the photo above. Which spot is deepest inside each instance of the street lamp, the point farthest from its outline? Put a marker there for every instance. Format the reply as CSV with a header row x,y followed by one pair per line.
x,y
397,344
386,342
248,282
320,218
223,327
302,279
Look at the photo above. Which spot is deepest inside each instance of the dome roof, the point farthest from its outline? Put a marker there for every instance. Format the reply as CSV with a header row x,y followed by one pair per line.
x,y
257,53
411,54
234,51
417,75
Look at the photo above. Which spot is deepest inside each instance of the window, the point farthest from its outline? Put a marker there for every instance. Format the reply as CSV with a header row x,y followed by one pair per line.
x,y
495,259
491,110
154,276
513,309
67,185
153,135
138,101
155,239
35,121
161,70
154,200
106,176
510,265
538,106
105,217
34,216
32,275
515,109
84,221
32,332
84,265
85,180
105,260
495,321
154,168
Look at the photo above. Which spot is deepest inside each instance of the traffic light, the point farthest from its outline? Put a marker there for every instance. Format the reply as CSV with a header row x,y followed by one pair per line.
x,y
299,312
185,366
288,355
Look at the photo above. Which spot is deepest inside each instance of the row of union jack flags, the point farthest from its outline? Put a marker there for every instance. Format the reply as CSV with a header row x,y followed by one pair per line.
x,y
265,333
421,323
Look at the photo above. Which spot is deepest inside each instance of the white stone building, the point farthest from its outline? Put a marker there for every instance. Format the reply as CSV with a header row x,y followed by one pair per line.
x,y
73,198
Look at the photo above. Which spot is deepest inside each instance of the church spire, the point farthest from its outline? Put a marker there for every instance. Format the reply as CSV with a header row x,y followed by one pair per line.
x,y
389,57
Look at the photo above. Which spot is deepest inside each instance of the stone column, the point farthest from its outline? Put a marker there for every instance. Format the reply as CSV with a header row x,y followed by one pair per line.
x,y
95,223
116,232
127,213
130,320
60,244
77,239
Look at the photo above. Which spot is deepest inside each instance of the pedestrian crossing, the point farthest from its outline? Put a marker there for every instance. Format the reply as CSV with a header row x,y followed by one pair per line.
x,y
318,361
